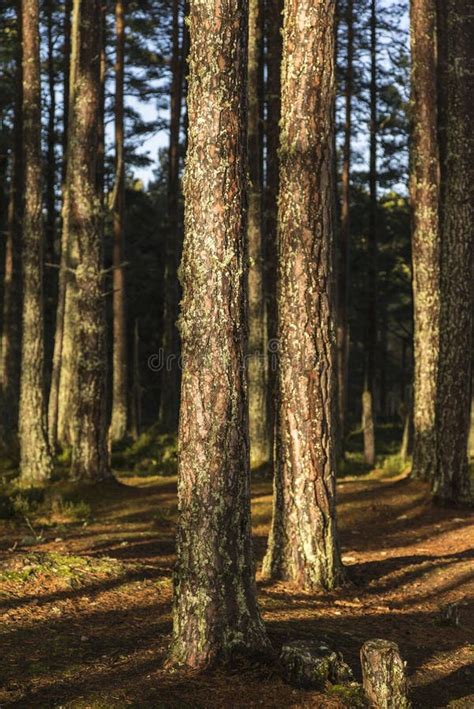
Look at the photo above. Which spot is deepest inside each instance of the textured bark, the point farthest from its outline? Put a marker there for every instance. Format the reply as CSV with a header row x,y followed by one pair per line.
x,y
170,383
53,402
383,674
259,441
424,197
368,397
215,611
10,352
273,26
456,98
35,459
312,665
88,433
303,542
343,275
119,422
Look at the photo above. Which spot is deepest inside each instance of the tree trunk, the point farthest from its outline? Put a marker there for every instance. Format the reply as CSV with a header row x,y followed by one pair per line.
x,y
50,230
303,542
171,374
383,674
274,9
215,610
456,96
424,197
368,396
88,433
10,353
136,393
119,422
36,464
59,396
343,276
259,443
53,402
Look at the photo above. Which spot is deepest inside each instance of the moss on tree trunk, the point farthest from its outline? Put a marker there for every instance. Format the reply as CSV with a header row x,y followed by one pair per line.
x,y
215,611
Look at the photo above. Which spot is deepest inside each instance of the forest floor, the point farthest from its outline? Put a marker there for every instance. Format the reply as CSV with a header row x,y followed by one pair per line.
x,y
85,599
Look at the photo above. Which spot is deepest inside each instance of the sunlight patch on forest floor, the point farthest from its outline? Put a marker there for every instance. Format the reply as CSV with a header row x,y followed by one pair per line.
x,y
86,611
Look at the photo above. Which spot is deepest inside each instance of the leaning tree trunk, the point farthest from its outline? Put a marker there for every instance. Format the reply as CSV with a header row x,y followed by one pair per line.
x,y
424,197
118,424
456,98
10,346
215,611
89,440
303,542
35,459
170,380
343,276
259,442
368,394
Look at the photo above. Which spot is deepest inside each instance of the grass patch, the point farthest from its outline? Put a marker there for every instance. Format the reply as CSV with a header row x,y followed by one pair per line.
x,y
153,453
55,565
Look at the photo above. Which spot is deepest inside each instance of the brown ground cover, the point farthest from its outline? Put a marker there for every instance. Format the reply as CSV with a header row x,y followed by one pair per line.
x,y
86,610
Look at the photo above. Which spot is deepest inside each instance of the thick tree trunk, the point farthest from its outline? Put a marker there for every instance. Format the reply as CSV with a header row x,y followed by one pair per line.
x,y
88,432
35,459
273,22
259,442
10,352
215,610
171,374
368,395
303,542
119,422
53,402
456,98
424,197
343,275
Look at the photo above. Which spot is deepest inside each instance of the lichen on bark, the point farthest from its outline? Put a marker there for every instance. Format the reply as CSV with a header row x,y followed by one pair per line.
x,y
303,544
215,612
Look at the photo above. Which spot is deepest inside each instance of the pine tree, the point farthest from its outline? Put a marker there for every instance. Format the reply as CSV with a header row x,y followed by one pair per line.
x,y
118,425
344,246
35,458
303,544
259,440
424,197
215,612
88,434
368,394
10,349
451,482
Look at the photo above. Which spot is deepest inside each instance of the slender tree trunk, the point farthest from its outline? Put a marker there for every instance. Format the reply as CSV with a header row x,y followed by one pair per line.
x,y
88,434
259,443
273,26
56,432
118,426
136,394
368,395
424,196
343,276
50,230
456,97
170,383
10,353
35,458
215,610
303,544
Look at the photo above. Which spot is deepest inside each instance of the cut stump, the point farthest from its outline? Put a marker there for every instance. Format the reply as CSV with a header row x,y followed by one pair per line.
x,y
383,673
310,665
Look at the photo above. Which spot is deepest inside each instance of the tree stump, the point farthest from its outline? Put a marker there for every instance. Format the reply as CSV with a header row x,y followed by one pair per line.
x,y
383,673
310,665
